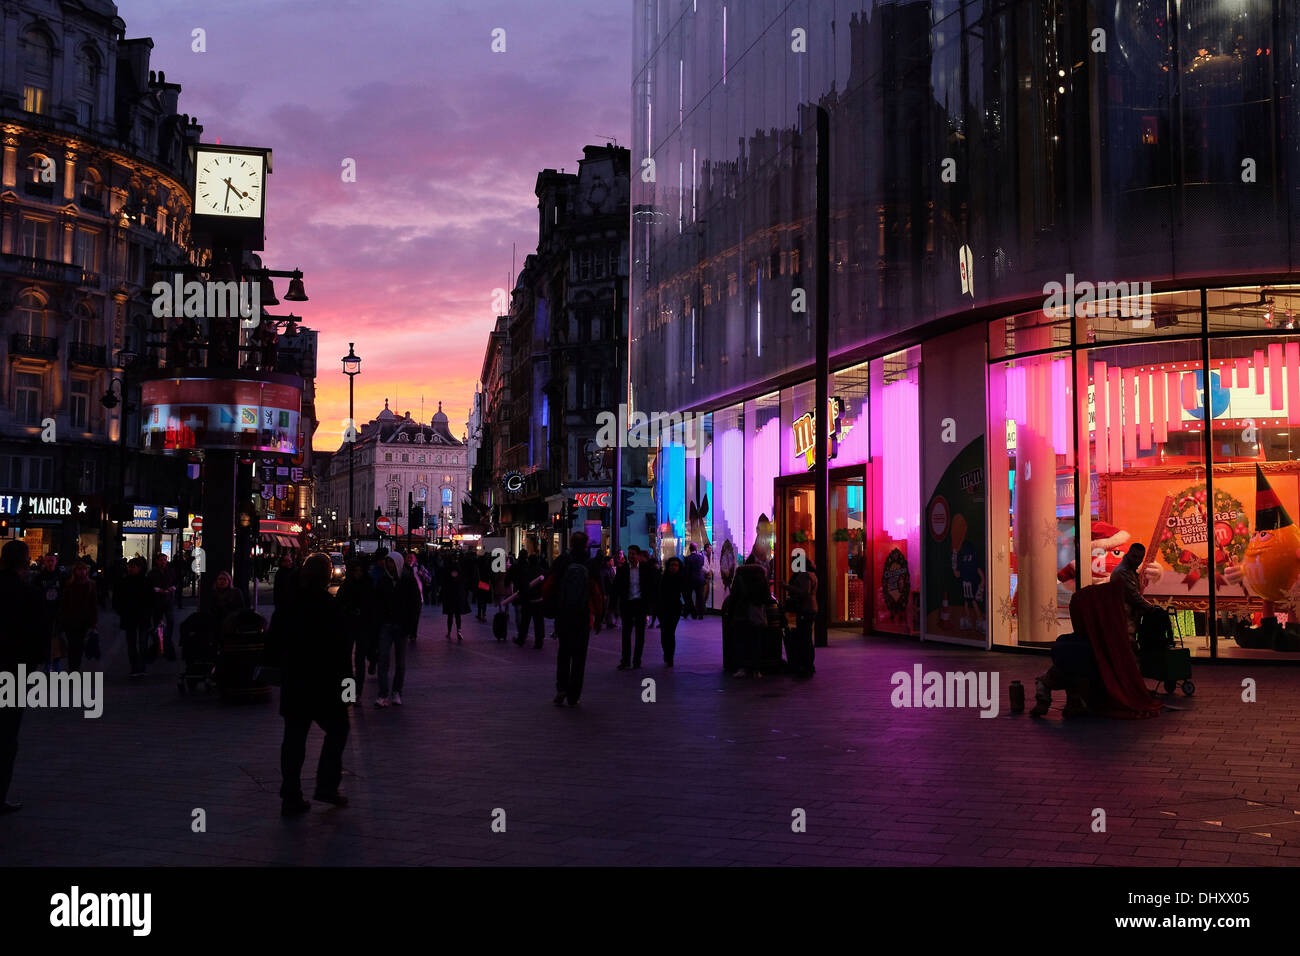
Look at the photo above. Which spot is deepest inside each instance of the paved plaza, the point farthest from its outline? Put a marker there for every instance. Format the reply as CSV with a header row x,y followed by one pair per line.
x,y
709,774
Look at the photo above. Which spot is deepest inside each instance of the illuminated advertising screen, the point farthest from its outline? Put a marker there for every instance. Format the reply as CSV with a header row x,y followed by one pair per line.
x,y
186,413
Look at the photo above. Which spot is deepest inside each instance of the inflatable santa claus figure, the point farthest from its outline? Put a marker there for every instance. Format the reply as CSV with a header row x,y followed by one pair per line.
x,y
1109,545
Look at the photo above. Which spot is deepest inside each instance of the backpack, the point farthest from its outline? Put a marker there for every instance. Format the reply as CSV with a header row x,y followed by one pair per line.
x,y
573,591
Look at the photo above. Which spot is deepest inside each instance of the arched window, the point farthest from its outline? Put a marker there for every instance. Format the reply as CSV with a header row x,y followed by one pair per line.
x,y
31,314
446,497
37,163
91,189
38,71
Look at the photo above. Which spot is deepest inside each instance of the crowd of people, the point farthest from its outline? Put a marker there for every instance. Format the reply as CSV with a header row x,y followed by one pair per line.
x,y
325,645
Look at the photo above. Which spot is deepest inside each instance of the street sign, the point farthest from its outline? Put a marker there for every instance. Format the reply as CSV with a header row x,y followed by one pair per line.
x,y
196,525
384,524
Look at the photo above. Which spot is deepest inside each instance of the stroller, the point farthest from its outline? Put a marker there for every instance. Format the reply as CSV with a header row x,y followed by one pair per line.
x,y
1162,656
199,651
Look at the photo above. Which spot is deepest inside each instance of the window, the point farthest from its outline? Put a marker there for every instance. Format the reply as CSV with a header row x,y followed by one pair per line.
x,y
27,474
420,461
79,403
613,261
87,485
388,456
455,459
88,73
421,478
92,189
600,263
27,403
86,254
83,326
405,459
422,494
446,497
35,238
584,264
394,478
31,314
38,71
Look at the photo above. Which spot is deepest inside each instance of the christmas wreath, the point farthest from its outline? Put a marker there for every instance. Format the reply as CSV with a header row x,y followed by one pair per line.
x,y
1230,537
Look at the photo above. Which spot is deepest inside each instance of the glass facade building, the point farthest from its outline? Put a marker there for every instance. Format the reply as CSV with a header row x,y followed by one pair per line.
x,y
1062,237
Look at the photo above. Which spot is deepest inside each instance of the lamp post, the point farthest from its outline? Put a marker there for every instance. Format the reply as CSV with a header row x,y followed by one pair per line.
x,y
110,401
351,368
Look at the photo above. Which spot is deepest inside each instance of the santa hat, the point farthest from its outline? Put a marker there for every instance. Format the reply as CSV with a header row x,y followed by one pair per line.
x,y
1106,536
1269,513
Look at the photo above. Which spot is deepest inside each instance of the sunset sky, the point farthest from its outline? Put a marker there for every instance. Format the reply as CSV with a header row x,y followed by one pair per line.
x,y
448,138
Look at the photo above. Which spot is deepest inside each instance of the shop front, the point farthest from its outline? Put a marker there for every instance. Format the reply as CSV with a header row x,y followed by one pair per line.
x,y
140,534
69,526
1172,422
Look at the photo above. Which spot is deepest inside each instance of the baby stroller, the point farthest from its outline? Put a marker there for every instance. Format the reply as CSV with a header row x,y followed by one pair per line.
x,y
1162,656
199,652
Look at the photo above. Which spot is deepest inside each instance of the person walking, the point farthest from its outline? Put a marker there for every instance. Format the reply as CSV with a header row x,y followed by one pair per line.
x,y
573,589
48,582
133,602
356,600
607,586
392,644
529,598
22,641
651,560
635,586
409,599
695,580
801,600
313,649
672,594
162,579
452,587
78,613
285,579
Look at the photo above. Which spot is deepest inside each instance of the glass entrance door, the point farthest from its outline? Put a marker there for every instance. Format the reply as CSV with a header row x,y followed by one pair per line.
x,y
795,530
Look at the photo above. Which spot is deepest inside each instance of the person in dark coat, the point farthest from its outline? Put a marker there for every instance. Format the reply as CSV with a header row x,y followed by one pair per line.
x,y
133,602
78,612
672,592
285,576
573,624
391,644
20,643
409,599
636,588
745,615
452,586
483,567
695,580
313,646
528,581
162,579
356,599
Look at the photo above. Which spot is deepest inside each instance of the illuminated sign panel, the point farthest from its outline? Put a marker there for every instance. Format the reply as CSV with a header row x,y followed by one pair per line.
x,y
187,413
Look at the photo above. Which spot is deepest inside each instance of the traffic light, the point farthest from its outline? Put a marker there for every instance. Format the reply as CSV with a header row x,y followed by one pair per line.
x,y
626,500
416,518
172,524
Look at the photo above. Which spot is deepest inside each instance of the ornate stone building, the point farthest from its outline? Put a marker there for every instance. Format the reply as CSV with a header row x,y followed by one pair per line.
x,y
92,191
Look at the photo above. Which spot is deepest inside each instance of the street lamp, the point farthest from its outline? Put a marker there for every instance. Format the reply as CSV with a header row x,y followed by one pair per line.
x,y
110,400
351,368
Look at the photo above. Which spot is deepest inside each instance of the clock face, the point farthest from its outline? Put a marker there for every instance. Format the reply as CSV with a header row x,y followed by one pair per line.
x,y
229,184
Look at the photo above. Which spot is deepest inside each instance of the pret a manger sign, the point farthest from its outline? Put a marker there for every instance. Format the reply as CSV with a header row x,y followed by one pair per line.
x,y
39,506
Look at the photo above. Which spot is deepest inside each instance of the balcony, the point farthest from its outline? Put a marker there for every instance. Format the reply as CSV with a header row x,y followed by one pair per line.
x,y
34,346
39,190
82,353
43,269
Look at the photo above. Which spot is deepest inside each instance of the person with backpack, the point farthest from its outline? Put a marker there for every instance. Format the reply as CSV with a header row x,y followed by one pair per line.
x,y
573,593
695,580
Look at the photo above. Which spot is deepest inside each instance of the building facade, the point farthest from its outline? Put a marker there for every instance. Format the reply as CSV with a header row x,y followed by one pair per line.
x,y
1060,239
567,340
398,461
93,189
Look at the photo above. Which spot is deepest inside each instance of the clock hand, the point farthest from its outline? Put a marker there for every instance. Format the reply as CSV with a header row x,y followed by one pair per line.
x,y
235,188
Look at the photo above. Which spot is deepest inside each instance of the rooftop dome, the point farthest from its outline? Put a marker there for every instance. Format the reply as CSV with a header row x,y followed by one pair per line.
x,y
438,416
386,415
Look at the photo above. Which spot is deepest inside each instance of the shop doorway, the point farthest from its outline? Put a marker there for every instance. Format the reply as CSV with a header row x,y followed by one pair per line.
x,y
848,553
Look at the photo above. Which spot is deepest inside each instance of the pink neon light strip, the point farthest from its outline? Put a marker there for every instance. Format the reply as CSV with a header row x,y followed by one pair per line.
x,y
1101,459
1275,371
1261,366
1130,414
1243,375
1117,422
1225,376
1158,387
1144,410
1175,409
1293,383
1188,396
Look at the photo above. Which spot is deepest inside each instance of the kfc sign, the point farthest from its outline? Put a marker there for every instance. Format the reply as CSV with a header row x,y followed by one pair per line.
x,y
592,499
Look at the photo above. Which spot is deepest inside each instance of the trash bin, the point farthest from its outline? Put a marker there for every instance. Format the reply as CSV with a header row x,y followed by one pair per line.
x,y
243,642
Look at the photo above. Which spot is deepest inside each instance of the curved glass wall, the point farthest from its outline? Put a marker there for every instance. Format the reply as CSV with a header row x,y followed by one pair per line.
x,y
1115,429
1032,141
